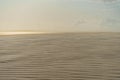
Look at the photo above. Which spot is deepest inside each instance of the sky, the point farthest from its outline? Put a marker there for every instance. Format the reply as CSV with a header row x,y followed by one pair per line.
x,y
60,15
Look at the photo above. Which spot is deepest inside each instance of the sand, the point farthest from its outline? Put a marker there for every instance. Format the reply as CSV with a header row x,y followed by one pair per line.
x,y
67,56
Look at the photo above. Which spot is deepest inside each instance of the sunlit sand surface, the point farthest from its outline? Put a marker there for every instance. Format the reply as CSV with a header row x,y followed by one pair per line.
x,y
19,33
70,56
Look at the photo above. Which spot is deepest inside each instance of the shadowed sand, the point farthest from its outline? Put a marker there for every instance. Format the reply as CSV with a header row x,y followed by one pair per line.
x,y
67,56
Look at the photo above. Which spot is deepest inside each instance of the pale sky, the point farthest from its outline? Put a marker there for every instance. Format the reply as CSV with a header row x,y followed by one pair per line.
x,y
60,15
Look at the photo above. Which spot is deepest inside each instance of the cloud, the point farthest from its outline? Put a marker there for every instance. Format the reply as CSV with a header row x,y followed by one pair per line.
x,y
106,0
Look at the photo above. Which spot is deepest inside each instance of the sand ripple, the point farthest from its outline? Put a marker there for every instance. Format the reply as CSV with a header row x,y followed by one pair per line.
x,y
74,56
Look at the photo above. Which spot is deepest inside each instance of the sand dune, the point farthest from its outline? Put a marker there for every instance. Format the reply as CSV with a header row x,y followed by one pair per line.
x,y
70,56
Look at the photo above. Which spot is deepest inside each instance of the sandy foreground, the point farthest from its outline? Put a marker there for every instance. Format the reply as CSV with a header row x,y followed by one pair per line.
x,y
70,56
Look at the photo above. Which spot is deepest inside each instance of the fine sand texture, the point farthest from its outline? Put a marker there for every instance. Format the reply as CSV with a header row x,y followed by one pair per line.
x,y
64,56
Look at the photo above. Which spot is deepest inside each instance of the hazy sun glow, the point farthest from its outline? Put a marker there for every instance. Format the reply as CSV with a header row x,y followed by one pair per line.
x,y
18,33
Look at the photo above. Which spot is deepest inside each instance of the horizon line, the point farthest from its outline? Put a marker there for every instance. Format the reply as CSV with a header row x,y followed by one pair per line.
x,y
29,32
